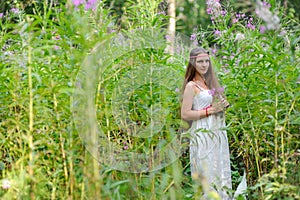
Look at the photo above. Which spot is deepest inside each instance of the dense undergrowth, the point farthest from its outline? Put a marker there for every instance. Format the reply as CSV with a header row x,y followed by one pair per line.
x,y
42,153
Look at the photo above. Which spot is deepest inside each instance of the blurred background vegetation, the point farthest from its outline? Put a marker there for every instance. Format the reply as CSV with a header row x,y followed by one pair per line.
x,y
190,14
43,45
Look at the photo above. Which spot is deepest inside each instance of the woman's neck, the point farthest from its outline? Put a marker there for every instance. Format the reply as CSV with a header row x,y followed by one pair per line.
x,y
199,77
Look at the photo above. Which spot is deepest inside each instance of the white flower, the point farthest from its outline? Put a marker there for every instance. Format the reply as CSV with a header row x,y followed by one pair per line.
x,y
239,36
6,184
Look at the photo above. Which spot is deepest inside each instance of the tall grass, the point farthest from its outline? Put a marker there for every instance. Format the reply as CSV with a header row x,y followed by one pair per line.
x,y
42,154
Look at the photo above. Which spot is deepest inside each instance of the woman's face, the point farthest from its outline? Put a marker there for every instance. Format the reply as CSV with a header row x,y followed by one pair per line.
x,y
202,63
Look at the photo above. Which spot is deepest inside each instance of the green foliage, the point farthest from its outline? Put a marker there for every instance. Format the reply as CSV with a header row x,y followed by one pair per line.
x,y
42,49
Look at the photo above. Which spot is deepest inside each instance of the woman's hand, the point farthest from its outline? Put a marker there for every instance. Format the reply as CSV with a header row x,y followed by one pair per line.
x,y
225,103
215,108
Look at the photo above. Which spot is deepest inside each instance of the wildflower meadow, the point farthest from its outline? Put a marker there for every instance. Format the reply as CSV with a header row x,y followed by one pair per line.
x,y
91,92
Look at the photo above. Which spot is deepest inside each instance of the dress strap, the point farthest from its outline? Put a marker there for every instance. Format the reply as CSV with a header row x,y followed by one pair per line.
x,y
198,86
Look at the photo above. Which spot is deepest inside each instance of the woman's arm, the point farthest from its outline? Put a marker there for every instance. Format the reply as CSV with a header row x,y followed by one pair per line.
x,y
187,102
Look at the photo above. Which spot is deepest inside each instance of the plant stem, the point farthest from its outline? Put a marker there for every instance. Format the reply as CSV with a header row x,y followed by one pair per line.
x,y
31,116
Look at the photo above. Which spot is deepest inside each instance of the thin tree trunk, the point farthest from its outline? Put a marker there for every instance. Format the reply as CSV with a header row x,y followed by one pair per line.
x,y
172,25
285,2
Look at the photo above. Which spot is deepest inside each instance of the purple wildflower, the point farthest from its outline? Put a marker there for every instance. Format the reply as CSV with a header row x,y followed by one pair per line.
x,y
193,36
177,90
235,20
213,51
88,6
1,15
55,47
220,89
78,2
91,4
223,12
266,4
161,13
251,26
212,92
282,33
168,38
262,29
226,71
14,10
213,8
209,11
125,147
217,32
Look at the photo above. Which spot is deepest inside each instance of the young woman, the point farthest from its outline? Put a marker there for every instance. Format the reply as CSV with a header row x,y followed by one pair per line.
x,y
203,103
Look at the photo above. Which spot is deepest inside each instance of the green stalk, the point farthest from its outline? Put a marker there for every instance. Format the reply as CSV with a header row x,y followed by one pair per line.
x,y
257,156
276,126
31,116
61,140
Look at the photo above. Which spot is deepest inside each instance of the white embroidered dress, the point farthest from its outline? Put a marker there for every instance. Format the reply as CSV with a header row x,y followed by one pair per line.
x,y
209,150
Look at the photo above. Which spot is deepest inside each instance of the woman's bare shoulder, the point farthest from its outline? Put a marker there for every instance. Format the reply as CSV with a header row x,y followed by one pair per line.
x,y
190,86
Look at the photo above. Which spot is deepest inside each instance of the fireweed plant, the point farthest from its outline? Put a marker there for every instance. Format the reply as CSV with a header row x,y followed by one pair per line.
x,y
42,155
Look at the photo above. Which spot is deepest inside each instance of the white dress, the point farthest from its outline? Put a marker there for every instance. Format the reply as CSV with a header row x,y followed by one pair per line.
x,y
209,150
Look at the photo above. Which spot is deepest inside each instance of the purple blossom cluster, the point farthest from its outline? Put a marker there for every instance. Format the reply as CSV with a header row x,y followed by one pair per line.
x,y
242,17
125,147
216,91
13,10
214,9
89,4
272,21
193,38
250,24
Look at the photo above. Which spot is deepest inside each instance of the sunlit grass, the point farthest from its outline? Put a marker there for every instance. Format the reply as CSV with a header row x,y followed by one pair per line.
x,y
42,154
